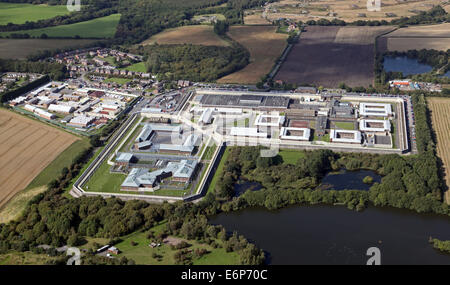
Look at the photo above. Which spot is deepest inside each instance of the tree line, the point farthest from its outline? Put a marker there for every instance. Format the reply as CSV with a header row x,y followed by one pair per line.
x,y
192,62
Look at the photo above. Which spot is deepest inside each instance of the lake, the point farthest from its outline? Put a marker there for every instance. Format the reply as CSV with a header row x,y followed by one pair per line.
x,y
348,180
336,235
407,66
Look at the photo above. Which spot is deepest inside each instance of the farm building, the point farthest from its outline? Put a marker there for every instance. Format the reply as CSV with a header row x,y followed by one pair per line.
x,y
375,109
375,125
345,136
298,134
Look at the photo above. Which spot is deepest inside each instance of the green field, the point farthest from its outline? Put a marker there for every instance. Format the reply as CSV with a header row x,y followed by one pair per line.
x,y
104,27
137,67
21,13
142,252
117,80
290,156
345,125
24,258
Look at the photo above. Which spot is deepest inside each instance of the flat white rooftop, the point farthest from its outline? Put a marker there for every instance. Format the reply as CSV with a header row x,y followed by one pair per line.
x,y
374,125
299,134
345,136
247,132
269,120
375,109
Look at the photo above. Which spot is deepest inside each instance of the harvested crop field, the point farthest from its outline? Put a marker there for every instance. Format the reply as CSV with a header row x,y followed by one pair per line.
x,y
327,56
417,37
349,10
21,48
440,117
264,45
26,148
196,35
255,19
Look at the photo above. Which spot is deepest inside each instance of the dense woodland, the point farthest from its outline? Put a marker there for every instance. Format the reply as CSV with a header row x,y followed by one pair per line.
x,y
194,63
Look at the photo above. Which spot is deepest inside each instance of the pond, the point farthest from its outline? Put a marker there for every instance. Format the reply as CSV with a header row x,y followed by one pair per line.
x,y
348,180
407,66
336,235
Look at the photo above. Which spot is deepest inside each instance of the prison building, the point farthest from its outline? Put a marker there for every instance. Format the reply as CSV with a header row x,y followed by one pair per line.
x,y
144,134
44,114
182,171
345,136
207,116
270,121
176,149
321,125
124,159
342,111
301,112
375,125
143,145
247,132
298,134
375,110
81,121
139,179
61,108
250,100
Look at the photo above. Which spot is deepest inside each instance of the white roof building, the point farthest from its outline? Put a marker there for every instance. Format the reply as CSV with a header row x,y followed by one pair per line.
x,y
206,117
81,121
345,136
298,134
60,108
374,125
375,109
269,120
247,132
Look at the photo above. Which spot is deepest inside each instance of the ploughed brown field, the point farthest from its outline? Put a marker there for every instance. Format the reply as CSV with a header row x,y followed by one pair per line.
x,y
196,35
327,56
440,117
264,45
26,148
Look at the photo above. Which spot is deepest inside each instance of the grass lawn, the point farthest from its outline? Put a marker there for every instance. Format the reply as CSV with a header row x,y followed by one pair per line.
x,y
209,152
345,125
21,13
104,27
24,258
137,67
142,252
219,170
117,80
104,181
291,156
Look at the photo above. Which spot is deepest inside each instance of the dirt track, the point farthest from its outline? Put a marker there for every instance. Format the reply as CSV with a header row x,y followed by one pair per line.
x,y
26,148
